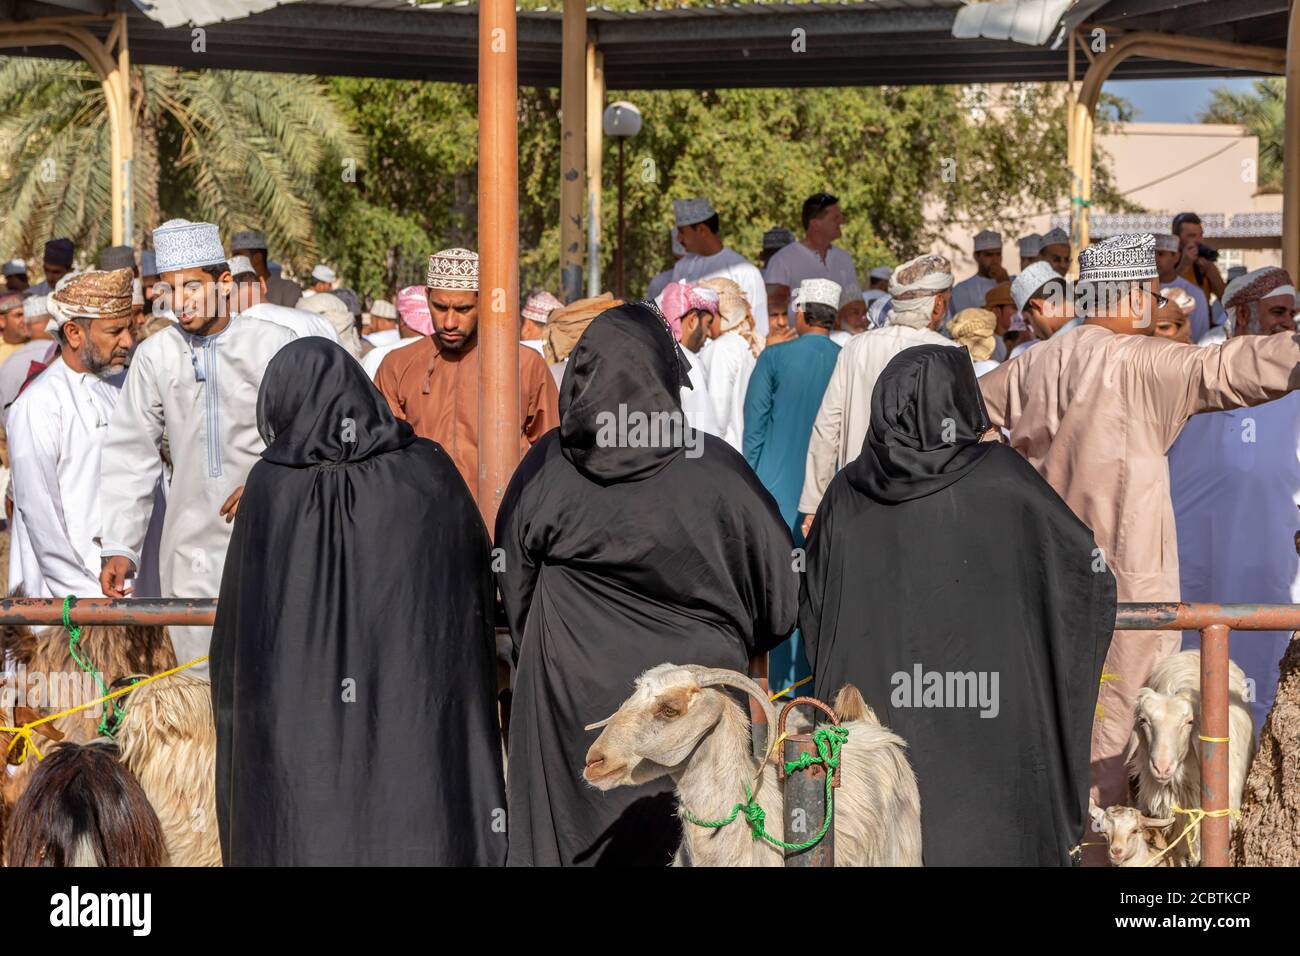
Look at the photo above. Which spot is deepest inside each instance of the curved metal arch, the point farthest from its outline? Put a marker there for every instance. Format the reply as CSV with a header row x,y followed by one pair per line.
x,y
114,77
1160,46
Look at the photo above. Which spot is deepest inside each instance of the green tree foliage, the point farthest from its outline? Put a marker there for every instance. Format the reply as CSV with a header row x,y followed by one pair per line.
x,y
372,175
1263,113
239,149
899,158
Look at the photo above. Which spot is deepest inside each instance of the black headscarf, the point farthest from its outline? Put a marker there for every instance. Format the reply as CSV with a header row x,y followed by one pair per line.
x,y
355,699
326,412
913,576
927,416
626,357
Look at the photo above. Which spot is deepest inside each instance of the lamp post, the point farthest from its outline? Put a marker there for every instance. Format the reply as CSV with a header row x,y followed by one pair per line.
x,y
622,120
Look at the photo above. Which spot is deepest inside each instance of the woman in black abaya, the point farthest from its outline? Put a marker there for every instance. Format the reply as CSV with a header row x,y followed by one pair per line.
x,y
936,559
619,557
353,670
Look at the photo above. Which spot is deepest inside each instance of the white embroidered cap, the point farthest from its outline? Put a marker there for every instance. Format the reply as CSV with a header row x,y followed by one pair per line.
x,y
181,244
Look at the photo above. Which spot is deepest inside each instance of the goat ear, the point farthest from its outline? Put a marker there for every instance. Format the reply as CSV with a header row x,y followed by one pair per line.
x,y
1094,811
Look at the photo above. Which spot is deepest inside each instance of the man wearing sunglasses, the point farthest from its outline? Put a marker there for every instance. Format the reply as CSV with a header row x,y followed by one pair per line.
x,y
1095,410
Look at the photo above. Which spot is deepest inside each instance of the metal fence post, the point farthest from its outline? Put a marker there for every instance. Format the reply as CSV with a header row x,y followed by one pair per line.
x,y
1214,744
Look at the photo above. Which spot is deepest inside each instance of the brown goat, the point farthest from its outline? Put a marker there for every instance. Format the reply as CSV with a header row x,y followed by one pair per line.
x,y
83,807
169,742
48,680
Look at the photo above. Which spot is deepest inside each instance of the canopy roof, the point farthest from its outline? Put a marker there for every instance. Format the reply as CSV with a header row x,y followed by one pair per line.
x,y
881,42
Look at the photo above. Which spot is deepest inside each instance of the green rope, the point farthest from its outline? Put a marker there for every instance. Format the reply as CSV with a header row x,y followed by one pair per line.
x,y
74,635
828,740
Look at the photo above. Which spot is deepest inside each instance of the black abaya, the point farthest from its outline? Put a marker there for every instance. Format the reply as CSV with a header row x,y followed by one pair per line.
x,y
353,670
619,558
935,553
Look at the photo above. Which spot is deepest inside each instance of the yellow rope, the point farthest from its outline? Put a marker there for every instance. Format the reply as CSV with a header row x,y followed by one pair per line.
x,y
1213,740
1194,824
24,733
799,683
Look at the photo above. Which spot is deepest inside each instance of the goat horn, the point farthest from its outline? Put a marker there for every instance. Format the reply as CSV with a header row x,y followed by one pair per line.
x,y
600,723
1150,822
717,675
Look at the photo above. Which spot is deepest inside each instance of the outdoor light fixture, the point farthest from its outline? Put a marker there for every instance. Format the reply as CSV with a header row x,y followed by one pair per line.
x,y
621,121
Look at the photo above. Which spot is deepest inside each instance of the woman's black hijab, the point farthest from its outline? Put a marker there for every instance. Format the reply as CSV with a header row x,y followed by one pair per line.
x,y
927,416
626,361
316,406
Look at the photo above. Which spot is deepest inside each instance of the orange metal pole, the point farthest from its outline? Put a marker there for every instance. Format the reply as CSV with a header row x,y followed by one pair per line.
x,y
1214,744
498,238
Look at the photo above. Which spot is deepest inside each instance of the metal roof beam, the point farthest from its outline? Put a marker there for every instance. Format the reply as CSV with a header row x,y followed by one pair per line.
x,y
817,22
1221,12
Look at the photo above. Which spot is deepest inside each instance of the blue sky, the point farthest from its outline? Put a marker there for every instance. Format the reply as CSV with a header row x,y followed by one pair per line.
x,y
1171,101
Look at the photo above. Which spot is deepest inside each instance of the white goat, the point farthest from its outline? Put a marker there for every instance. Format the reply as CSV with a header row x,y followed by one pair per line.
x,y
1134,839
681,722
1161,755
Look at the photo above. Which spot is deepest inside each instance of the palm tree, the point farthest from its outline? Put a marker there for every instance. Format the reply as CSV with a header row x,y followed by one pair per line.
x,y
1263,113
235,148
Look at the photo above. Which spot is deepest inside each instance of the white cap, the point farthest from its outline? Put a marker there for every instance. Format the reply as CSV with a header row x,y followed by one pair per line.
x,y
1056,237
181,244
240,265
34,307
323,273
1031,279
818,291
1030,245
881,272
688,212
986,240
1124,258
15,267
1167,242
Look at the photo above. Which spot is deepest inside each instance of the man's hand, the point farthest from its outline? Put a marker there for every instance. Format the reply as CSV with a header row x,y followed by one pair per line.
x,y
231,507
807,525
998,274
112,576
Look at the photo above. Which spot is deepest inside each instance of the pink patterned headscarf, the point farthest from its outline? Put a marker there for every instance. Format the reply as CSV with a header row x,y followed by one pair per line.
x,y
682,297
413,307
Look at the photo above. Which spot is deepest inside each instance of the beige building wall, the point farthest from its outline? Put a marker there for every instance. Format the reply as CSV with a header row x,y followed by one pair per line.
x,y
1166,168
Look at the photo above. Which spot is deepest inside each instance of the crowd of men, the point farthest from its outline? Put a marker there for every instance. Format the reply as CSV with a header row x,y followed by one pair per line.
x,y
845,424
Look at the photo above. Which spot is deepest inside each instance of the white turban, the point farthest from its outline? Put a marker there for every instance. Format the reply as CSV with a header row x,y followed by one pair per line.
x,y
913,288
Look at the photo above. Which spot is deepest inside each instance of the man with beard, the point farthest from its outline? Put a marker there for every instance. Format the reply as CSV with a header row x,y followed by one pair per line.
x,y
192,385
1235,482
625,547
1095,411
433,384
915,593
57,429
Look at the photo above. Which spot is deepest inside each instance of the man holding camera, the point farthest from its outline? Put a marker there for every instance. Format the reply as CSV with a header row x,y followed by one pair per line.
x,y
1196,262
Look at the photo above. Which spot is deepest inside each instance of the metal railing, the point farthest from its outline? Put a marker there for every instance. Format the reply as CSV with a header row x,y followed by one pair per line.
x,y
1214,621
